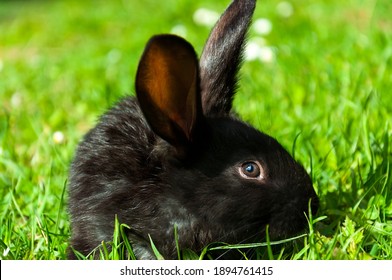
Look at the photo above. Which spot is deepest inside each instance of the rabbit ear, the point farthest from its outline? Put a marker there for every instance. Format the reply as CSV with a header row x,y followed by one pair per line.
x,y
222,56
167,88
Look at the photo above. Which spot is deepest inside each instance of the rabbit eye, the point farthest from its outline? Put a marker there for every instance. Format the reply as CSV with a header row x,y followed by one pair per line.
x,y
251,170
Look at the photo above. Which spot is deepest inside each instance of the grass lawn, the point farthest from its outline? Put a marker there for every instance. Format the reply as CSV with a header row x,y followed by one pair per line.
x,y
320,83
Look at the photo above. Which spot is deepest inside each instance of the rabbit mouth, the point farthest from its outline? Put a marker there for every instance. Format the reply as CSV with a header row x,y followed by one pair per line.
x,y
292,219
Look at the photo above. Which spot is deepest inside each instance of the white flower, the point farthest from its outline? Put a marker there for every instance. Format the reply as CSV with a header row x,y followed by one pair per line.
x,y
205,17
285,9
252,51
267,54
58,137
16,99
1,65
262,26
256,49
179,30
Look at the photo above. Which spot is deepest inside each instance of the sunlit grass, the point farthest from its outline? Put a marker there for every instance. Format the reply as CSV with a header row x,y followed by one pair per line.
x,y
318,77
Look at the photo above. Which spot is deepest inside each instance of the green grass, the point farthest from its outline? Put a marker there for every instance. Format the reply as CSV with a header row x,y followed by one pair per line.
x,y
326,97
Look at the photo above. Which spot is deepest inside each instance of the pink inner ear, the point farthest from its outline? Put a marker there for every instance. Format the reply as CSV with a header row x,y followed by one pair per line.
x,y
167,89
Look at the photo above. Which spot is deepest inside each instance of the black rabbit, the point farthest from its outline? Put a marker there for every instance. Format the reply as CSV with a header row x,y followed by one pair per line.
x,y
177,156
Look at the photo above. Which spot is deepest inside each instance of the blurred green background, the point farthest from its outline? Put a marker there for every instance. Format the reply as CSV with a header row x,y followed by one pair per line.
x,y
318,78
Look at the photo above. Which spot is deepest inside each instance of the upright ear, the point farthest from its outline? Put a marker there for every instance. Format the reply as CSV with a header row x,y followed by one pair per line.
x,y
222,57
167,88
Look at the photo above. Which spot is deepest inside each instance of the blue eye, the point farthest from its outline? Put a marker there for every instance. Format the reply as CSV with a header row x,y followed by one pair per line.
x,y
251,170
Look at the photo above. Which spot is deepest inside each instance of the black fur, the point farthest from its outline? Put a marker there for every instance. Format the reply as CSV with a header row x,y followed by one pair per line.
x,y
222,57
157,169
